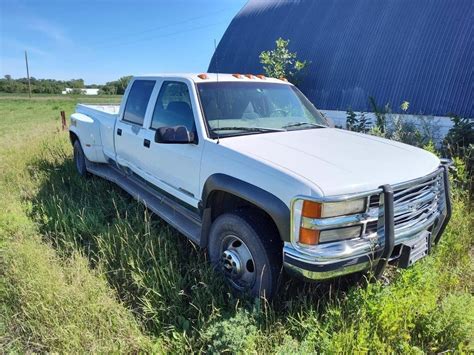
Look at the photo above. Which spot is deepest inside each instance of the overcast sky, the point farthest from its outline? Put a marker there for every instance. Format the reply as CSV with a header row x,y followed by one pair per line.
x,y
100,41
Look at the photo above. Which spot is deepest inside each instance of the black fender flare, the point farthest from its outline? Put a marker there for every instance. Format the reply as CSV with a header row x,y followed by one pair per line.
x,y
272,205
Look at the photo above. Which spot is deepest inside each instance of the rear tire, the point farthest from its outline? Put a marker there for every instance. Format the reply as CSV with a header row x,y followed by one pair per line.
x,y
246,249
80,159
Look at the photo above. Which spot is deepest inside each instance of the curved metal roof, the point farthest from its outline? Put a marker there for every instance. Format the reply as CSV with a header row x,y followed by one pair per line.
x,y
395,50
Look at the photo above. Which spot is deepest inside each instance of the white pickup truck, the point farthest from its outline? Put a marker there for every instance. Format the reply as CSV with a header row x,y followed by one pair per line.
x,y
247,167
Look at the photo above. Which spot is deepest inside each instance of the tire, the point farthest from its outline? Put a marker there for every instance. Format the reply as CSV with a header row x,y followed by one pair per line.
x,y
80,159
247,250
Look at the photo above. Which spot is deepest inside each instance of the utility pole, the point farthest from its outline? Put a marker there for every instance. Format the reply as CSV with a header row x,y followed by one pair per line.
x,y
28,74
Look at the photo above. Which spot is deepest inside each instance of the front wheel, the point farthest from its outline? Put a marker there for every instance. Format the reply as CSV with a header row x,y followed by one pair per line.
x,y
247,251
80,159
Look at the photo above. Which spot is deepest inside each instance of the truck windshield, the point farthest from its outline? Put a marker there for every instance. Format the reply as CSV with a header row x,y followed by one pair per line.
x,y
237,108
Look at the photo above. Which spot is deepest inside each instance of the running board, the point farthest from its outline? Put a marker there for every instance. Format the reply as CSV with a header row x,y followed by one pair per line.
x,y
185,221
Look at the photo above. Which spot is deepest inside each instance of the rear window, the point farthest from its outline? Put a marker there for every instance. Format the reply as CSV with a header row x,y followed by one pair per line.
x,y
137,101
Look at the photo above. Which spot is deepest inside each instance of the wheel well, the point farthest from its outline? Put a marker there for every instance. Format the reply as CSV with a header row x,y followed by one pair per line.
x,y
220,202
73,137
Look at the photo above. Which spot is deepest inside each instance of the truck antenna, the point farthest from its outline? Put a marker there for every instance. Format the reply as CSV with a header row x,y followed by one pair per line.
x,y
217,88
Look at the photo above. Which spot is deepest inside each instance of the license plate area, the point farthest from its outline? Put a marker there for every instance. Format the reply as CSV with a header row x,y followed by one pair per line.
x,y
415,249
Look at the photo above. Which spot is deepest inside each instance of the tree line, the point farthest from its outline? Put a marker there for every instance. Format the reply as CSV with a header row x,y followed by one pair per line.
x,y
51,86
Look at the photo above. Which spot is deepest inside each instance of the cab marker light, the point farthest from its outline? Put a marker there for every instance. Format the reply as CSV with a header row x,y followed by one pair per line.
x,y
203,76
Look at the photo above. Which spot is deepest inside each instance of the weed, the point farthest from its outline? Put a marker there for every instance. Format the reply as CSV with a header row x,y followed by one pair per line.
x,y
86,268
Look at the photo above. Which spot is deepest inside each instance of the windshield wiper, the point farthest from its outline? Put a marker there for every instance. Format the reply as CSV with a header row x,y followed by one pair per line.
x,y
297,124
248,129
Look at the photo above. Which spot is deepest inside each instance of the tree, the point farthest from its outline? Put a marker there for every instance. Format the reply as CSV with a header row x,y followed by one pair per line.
x,y
281,63
357,123
77,91
460,137
8,77
116,87
380,114
363,125
122,84
351,120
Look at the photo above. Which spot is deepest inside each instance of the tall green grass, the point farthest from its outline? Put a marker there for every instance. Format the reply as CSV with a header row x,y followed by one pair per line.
x,y
178,303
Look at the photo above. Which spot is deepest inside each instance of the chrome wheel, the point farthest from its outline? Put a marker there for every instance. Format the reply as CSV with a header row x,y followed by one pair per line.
x,y
237,263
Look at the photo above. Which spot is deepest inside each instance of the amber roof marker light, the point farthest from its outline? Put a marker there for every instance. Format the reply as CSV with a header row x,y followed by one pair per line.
x,y
238,76
261,76
203,76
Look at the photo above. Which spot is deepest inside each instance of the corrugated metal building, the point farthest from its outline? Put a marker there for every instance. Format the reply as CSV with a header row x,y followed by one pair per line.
x,y
416,50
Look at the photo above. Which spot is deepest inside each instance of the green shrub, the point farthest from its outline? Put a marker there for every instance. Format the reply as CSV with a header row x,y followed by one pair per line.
x,y
236,334
281,63
357,122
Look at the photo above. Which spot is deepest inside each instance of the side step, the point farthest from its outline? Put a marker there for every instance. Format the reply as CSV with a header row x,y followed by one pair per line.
x,y
179,217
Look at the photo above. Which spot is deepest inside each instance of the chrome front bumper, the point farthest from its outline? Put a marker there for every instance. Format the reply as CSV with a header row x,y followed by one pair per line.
x,y
375,248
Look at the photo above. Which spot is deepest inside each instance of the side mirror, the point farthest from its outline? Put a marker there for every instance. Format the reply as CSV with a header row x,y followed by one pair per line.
x,y
174,135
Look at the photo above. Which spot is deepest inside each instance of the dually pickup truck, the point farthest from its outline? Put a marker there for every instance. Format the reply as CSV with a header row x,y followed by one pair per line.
x,y
246,167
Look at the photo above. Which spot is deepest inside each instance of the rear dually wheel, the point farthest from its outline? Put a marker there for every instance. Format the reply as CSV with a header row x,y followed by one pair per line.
x,y
80,159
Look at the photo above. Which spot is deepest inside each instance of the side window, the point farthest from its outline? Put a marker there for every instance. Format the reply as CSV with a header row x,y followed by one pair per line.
x,y
137,101
173,107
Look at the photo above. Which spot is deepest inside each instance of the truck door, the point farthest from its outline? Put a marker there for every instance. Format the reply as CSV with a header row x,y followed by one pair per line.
x,y
129,129
174,168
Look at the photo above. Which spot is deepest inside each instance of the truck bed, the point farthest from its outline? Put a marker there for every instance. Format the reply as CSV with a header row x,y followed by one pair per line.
x,y
110,110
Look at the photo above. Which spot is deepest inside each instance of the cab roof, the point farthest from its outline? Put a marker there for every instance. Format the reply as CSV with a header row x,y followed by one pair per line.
x,y
214,77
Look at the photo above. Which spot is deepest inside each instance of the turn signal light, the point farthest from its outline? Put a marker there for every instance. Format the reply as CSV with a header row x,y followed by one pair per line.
x,y
309,236
312,209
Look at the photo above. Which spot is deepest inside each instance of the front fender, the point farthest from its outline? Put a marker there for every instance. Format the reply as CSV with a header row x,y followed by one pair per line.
x,y
272,205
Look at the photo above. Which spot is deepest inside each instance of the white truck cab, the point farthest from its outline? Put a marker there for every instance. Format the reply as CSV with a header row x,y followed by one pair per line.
x,y
248,168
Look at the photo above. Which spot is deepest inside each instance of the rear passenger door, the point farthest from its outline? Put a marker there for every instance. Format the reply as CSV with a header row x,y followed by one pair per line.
x,y
129,129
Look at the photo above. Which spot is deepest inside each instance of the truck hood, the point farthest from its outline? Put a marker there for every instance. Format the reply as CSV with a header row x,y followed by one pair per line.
x,y
336,161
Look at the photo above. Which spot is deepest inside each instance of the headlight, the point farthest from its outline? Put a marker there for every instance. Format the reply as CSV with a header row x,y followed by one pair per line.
x,y
332,209
304,210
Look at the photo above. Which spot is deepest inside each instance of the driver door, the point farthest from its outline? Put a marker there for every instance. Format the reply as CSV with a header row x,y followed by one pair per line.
x,y
174,167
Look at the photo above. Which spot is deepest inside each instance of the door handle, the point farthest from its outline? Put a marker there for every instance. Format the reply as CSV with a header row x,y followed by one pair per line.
x,y
119,132
146,143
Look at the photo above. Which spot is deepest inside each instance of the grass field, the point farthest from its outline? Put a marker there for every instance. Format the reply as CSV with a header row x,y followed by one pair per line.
x,y
83,267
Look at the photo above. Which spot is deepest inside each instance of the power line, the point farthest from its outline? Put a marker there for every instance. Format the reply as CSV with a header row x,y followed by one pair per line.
x,y
163,36
191,19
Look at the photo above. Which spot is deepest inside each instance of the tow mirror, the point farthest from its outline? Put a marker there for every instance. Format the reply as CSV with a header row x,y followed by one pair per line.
x,y
174,135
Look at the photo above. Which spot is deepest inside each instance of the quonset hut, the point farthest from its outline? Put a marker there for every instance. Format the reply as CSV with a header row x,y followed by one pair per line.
x,y
394,50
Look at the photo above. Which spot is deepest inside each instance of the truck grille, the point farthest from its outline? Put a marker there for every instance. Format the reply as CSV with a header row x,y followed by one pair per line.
x,y
414,204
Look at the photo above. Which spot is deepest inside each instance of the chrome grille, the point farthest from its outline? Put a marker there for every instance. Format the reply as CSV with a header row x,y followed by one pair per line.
x,y
416,204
